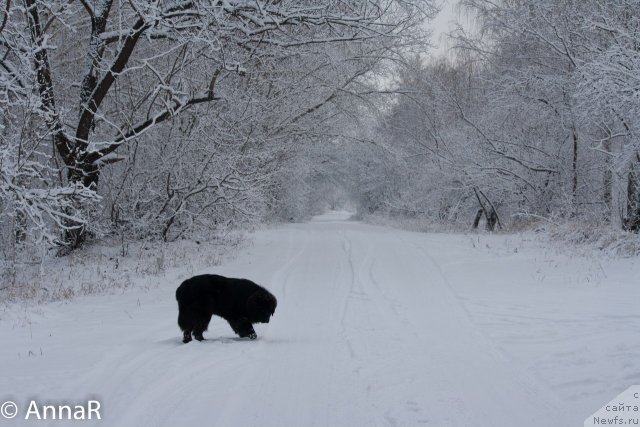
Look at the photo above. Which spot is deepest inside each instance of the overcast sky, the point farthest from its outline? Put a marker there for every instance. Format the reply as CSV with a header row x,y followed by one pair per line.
x,y
442,24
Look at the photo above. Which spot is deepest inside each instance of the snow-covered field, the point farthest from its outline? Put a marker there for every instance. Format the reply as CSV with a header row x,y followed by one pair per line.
x,y
374,327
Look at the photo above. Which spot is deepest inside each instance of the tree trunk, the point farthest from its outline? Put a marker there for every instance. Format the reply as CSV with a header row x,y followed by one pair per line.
x,y
608,179
632,221
492,220
490,212
88,175
476,220
574,178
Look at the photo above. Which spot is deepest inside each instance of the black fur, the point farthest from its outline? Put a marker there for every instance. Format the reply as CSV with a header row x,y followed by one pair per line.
x,y
239,301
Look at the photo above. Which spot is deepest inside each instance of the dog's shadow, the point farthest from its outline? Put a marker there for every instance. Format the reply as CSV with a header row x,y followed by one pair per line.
x,y
226,340
177,342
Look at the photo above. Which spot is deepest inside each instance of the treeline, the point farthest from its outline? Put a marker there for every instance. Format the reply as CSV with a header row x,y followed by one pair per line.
x,y
155,119
536,118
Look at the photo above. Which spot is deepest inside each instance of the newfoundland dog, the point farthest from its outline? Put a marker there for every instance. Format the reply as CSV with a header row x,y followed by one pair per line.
x,y
239,301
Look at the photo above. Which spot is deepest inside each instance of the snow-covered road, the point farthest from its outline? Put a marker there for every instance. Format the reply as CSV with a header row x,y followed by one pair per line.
x,y
374,327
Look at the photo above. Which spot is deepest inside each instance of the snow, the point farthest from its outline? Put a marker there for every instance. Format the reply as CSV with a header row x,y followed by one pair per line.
x,y
374,327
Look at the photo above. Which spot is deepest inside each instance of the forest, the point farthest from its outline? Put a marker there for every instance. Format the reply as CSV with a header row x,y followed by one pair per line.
x,y
167,120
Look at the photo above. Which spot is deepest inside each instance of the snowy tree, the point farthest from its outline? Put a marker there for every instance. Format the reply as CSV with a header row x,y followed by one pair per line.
x,y
106,74
607,92
537,115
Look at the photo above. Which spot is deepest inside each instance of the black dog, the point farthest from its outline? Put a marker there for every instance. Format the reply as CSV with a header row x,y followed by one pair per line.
x,y
239,301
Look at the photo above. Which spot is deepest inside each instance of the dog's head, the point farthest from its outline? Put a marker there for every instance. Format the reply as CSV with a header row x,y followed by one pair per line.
x,y
261,306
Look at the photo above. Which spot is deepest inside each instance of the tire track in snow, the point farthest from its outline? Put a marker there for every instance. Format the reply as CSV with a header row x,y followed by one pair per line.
x,y
146,379
302,366
138,373
346,249
367,332
526,392
294,252
429,336
376,315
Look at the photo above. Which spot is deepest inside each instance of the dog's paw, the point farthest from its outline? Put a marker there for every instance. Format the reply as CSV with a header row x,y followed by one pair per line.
x,y
253,336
